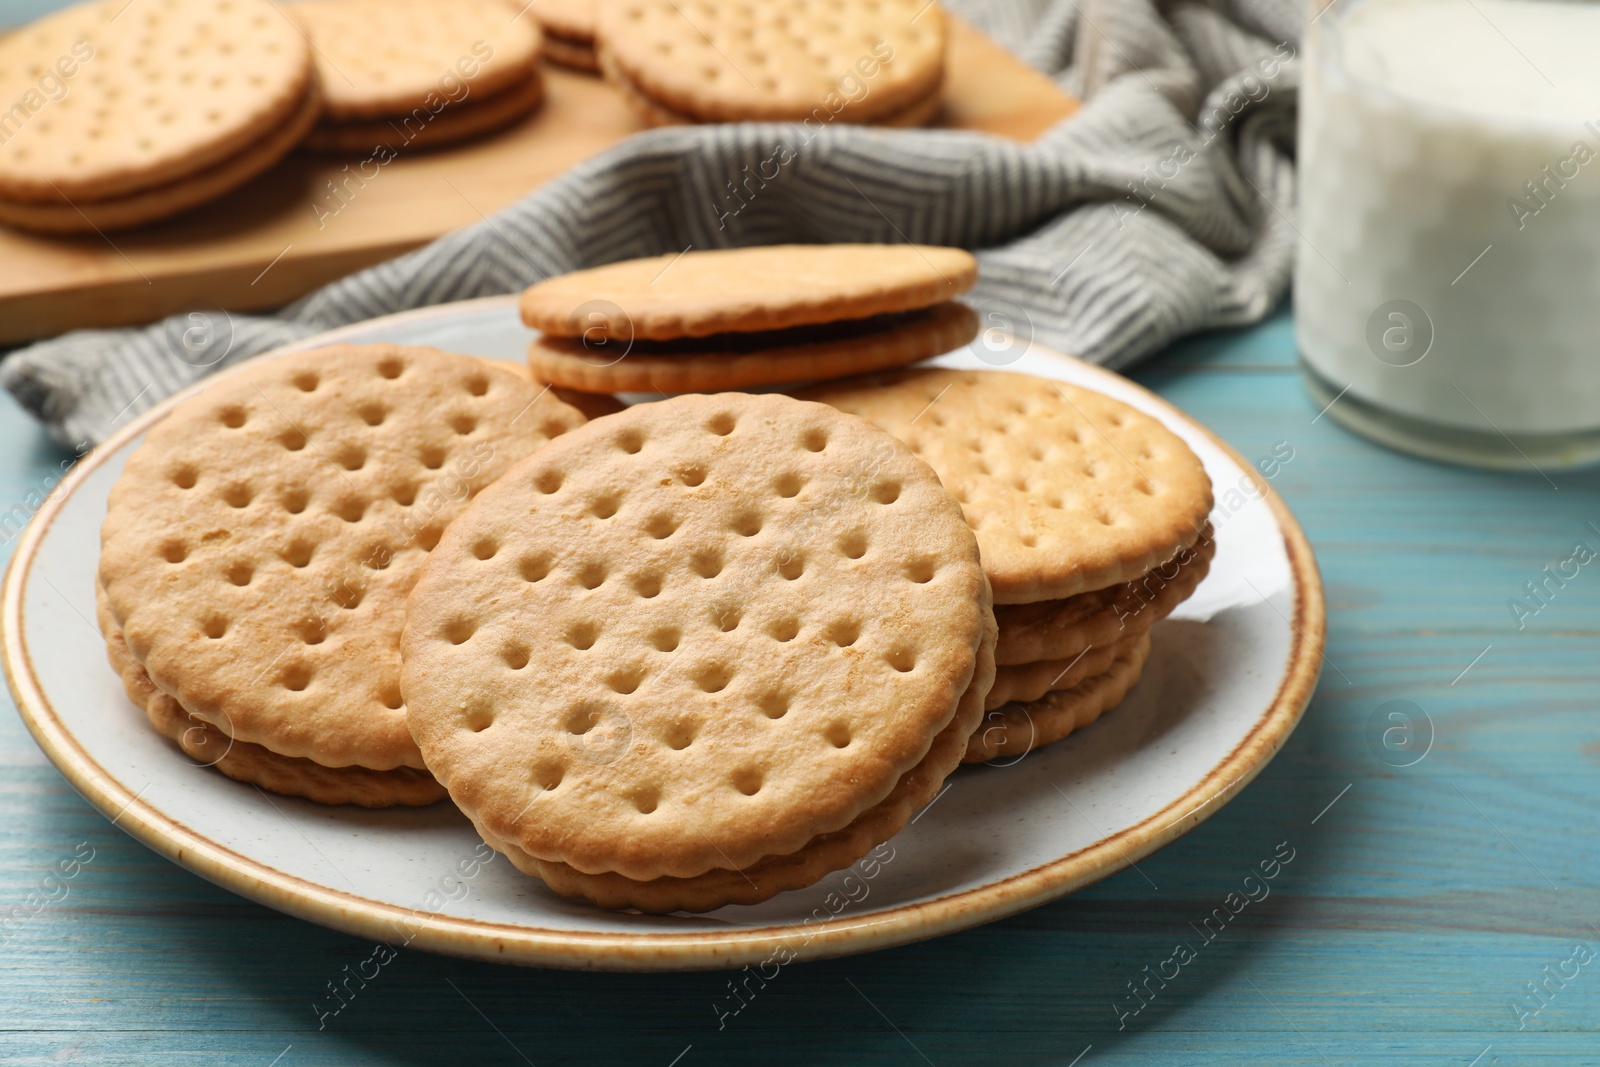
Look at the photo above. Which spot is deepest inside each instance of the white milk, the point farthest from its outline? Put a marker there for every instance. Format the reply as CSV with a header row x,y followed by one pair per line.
x,y
1450,207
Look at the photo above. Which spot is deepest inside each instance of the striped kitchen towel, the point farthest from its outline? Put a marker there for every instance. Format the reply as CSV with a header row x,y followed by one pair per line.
x,y
1163,207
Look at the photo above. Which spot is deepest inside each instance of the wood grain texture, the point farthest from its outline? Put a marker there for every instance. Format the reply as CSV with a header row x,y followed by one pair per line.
x,y
1413,913
314,218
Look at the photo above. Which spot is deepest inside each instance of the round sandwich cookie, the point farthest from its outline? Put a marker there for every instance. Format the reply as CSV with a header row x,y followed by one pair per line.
x,y
820,856
743,290
1068,489
116,100
572,20
1057,630
260,543
919,112
696,636
571,54
1018,728
730,61
743,360
382,58
429,128
1023,682
240,760
569,27
163,201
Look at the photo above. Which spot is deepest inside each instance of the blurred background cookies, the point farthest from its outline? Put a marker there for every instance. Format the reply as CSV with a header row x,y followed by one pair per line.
x,y
860,61
418,72
568,32
130,113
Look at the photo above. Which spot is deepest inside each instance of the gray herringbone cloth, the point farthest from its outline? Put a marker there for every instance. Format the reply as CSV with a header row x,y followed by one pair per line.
x,y
1163,207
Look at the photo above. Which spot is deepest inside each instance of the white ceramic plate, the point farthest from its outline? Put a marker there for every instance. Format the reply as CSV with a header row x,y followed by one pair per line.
x,y
1228,678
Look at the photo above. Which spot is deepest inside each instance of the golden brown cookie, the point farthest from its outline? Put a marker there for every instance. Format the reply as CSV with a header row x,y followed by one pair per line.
x,y
163,201
738,290
111,98
728,61
569,19
692,635
574,55
1061,629
423,128
1068,489
384,58
919,112
776,874
742,360
259,545
1023,682
1015,729
252,764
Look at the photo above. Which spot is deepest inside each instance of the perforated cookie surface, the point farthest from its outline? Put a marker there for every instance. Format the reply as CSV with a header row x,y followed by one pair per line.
x,y
209,747
735,290
1068,489
259,545
776,874
727,61
693,634
157,91
918,112
162,201
380,58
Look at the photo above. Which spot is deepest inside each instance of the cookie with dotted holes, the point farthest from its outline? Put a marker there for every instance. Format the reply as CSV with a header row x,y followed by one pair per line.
x,y
731,61
919,112
454,123
1068,489
817,858
384,58
163,201
1016,729
742,360
208,746
120,98
259,546
1062,629
740,290
693,634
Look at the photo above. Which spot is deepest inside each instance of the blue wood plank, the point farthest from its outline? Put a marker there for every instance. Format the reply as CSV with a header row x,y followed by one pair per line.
x,y
1420,910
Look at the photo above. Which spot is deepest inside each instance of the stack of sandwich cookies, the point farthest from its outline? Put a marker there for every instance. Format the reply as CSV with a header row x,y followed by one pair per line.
x,y
134,112
700,652
861,61
419,73
245,762
737,318
260,544
568,32
1092,518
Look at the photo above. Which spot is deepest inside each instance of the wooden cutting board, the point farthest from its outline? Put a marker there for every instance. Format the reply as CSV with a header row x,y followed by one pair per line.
x,y
307,222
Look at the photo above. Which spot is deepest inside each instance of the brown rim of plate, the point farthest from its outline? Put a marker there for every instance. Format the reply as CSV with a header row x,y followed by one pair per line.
x,y
619,951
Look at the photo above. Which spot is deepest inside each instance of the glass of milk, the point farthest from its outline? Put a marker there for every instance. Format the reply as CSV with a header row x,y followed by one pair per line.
x,y
1447,287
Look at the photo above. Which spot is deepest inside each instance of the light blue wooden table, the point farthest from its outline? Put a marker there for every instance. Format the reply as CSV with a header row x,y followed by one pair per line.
x,y
1443,913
